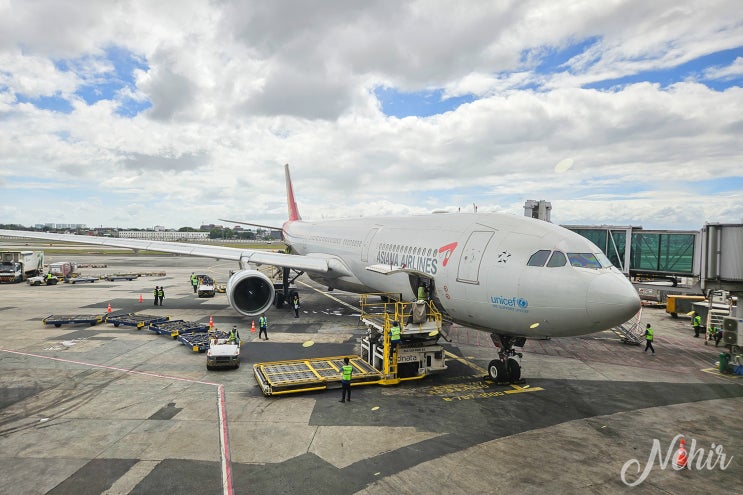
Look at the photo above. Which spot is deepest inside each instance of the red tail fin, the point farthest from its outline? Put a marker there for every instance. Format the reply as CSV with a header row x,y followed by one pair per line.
x,y
291,204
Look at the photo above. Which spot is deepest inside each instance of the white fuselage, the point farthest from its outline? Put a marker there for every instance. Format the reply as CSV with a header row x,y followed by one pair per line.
x,y
478,265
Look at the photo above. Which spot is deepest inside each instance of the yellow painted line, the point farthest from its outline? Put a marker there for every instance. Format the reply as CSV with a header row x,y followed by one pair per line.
x,y
467,363
329,296
716,372
518,390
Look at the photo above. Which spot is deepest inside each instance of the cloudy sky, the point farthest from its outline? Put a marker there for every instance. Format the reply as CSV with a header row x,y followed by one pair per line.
x,y
139,113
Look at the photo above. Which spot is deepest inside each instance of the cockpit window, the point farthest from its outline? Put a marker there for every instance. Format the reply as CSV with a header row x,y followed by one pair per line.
x,y
605,263
539,258
557,259
584,260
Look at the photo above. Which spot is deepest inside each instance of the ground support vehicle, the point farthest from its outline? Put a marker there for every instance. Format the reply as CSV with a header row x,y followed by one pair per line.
x,y
206,286
17,266
174,328
42,280
135,320
59,320
380,363
222,352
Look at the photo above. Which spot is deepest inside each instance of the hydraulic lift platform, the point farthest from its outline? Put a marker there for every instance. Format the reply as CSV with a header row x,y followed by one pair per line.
x,y
305,375
59,320
380,363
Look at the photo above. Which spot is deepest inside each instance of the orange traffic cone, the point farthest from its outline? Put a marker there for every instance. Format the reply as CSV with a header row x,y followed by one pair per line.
x,y
681,460
140,298
252,326
109,308
211,322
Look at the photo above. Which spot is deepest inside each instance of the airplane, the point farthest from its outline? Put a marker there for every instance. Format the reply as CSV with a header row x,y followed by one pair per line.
x,y
514,277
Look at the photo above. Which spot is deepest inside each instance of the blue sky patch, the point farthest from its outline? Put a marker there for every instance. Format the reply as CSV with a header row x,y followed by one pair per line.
x,y
552,60
417,104
51,103
692,70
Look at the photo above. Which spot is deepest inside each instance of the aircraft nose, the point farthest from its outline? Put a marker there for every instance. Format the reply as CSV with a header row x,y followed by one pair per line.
x,y
611,300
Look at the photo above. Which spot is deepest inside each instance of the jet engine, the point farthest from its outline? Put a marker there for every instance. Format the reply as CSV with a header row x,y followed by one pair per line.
x,y
250,292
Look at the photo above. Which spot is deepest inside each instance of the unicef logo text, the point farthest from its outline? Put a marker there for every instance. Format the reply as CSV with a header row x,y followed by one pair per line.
x,y
510,303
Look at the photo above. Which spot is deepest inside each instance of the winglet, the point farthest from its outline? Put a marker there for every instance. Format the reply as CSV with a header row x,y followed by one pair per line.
x,y
292,205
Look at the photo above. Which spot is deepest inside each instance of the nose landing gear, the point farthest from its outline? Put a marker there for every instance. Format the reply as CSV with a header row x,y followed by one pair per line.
x,y
507,368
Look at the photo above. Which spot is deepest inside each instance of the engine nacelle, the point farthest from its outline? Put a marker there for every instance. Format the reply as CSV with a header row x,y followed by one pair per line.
x,y
250,292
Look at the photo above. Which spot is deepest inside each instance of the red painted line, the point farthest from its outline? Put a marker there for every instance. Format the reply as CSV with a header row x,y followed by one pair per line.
x,y
221,409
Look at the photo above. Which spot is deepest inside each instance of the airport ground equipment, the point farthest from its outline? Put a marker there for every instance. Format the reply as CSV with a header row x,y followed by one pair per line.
x,y
121,276
206,286
174,328
379,363
59,320
135,320
78,280
222,352
42,280
681,304
62,269
199,341
631,332
17,266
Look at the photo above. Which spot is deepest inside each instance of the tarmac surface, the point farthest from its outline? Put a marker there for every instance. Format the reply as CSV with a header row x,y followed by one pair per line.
x,y
115,410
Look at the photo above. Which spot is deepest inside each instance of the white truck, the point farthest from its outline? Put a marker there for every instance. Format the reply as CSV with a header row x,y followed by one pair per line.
x,y
17,266
222,353
206,287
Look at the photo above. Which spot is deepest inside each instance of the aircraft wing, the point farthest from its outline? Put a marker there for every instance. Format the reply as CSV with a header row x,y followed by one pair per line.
x,y
257,256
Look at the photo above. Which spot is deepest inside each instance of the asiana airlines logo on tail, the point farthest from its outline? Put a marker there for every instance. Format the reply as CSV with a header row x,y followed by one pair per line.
x,y
424,260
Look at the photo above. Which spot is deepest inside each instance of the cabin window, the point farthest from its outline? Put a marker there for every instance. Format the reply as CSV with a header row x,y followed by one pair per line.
x,y
557,259
584,260
539,258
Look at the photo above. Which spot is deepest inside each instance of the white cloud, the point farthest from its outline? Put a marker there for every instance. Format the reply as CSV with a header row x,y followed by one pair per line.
x,y
237,89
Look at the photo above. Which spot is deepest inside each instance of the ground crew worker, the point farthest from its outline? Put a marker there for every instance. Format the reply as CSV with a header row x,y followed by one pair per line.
x,y
194,282
696,322
346,373
295,304
395,334
649,338
49,277
234,335
161,294
156,293
422,292
263,326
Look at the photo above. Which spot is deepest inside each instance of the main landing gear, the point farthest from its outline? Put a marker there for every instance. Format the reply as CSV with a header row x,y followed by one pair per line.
x,y
507,368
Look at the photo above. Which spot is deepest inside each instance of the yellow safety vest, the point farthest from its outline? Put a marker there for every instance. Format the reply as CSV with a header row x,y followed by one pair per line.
x,y
395,333
697,321
262,321
347,370
649,334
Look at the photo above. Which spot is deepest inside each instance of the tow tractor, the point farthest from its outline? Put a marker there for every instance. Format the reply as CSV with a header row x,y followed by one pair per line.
x,y
379,363
222,352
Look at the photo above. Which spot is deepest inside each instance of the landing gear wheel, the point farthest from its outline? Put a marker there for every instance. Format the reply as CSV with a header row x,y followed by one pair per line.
x,y
279,300
497,371
514,370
